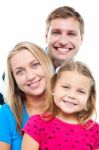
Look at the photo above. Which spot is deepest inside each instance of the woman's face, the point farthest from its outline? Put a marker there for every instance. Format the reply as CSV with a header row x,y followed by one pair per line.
x,y
28,73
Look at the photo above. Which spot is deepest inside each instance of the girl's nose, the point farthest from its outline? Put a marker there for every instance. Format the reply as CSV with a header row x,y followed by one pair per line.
x,y
72,95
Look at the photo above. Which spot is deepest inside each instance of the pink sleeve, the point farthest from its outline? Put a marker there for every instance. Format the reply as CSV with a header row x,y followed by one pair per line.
x,y
33,127
96,135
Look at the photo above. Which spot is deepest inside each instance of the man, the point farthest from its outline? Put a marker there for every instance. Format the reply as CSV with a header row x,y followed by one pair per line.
x,y
2,89
64,34
1,99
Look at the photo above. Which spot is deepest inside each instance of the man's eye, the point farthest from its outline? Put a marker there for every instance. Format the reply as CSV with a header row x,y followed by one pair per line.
x,y
55,33
72,34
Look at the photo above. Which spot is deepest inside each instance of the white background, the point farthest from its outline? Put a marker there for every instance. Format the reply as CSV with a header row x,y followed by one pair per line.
x,y
24,20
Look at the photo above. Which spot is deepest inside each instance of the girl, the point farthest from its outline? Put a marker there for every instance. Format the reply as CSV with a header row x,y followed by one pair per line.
x,y
67,123
29,70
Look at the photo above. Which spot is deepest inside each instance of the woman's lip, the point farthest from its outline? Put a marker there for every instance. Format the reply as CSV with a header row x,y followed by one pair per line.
x,y
34,84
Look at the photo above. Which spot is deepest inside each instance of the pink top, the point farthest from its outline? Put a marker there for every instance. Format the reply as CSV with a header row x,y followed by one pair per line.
x,y
58,135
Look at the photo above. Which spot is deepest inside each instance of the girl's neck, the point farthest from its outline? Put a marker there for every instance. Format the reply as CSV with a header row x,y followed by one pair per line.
x,y
72,119
35,105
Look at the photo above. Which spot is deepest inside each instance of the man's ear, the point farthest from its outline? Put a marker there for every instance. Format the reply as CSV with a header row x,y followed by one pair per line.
x,y
46,36
82,37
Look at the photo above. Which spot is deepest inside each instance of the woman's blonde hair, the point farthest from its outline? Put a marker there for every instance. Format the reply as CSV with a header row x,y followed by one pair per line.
x,y
82,69
15,96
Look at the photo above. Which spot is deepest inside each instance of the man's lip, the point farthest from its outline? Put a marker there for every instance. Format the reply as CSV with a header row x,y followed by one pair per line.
x,y
63,50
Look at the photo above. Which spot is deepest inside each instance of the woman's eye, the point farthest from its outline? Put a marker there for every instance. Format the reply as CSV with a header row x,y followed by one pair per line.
x,y
19,72
35,65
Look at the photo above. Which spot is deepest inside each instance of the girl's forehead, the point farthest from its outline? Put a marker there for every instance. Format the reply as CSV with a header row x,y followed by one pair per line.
x,y
73,76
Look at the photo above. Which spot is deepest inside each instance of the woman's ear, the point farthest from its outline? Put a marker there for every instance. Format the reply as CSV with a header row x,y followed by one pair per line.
x,y
52,93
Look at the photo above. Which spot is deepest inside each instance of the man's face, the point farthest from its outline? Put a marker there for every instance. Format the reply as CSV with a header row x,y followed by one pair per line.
x,y
63,39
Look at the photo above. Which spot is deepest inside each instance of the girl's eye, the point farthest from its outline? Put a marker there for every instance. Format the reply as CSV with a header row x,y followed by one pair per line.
x,y
35,65
66,87
80,91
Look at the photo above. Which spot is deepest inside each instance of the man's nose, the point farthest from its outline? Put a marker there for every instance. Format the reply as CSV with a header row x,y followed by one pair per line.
x,y
63,40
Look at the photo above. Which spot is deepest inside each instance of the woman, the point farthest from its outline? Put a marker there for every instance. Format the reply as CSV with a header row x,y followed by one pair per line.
x,y
28,71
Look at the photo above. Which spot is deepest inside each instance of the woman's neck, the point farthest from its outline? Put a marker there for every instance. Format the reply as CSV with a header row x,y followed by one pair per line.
x,y
35,105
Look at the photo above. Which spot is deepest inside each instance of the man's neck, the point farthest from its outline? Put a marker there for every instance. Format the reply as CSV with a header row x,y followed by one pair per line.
x,y
57,63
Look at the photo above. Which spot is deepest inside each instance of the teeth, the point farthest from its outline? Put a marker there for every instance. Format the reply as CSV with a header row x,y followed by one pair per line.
x,y
63,49
69,104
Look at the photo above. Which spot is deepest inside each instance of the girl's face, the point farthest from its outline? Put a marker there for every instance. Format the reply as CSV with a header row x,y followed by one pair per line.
x,y
71,92
28,73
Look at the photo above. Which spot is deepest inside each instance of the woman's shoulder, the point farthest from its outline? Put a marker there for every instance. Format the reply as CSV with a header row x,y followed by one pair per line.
x,y
8,125
5,112
5,108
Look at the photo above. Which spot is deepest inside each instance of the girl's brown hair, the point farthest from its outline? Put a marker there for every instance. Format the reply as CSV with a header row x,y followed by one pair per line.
x,y
82,69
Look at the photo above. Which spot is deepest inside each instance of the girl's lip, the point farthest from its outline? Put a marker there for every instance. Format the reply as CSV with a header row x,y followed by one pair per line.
x,y
70,101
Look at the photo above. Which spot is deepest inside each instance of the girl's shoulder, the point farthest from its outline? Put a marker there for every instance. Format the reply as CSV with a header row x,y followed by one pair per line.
x,y
41,119
35,118
91,124
47,117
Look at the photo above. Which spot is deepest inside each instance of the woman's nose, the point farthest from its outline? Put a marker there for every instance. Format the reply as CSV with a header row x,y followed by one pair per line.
x,y
31,75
